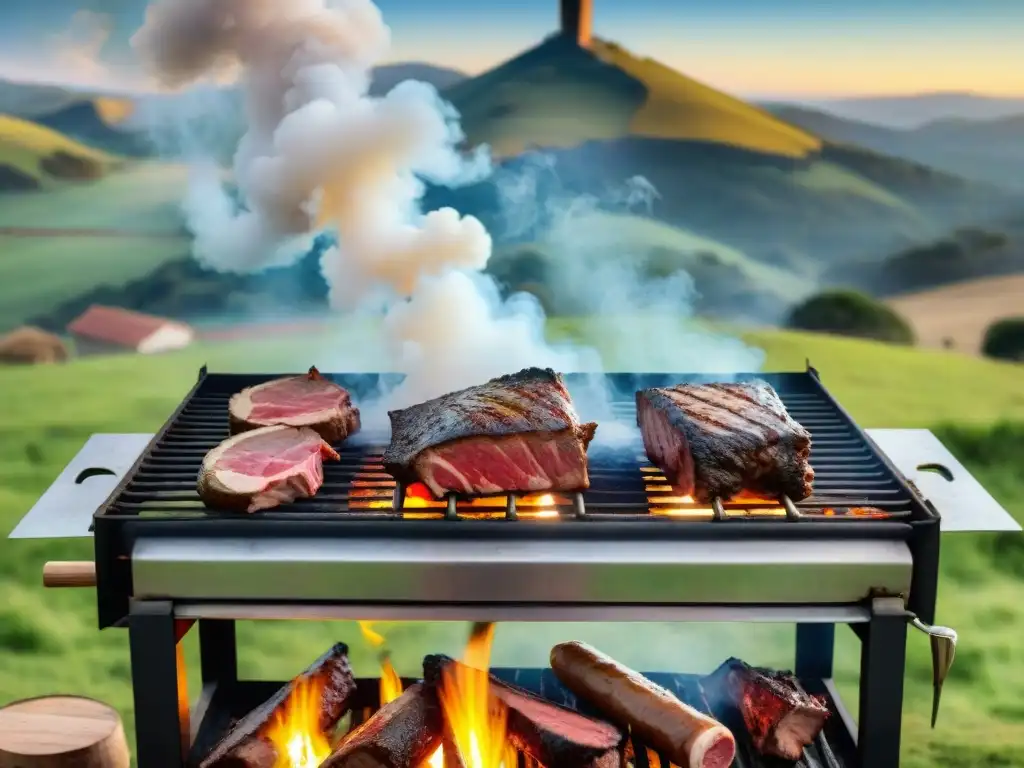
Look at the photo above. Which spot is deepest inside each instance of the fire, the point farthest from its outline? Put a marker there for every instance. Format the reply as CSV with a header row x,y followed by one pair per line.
x,y
477,729
295,729
391,683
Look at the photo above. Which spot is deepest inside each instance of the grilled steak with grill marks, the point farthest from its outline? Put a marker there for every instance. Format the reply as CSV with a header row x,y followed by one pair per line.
x,y
515,434
715,440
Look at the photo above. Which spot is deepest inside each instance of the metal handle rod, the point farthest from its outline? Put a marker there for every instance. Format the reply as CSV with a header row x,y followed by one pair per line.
x,y
943,642
58,574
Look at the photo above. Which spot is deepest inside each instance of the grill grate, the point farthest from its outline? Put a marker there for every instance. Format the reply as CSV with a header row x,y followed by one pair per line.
x,y
832,749
852,481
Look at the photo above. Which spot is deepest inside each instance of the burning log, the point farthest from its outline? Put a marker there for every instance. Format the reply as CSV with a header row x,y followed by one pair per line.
x,y
401,734
549,733
780,715
326,688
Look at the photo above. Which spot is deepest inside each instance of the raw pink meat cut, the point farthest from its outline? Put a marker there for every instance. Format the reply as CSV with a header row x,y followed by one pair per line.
x,y
264,468
296,401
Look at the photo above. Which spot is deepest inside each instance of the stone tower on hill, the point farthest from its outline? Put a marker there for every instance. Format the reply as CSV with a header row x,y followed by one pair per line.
x,y
577,20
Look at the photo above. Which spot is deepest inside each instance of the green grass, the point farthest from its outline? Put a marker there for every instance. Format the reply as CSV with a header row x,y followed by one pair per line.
x,y
50,642
24,145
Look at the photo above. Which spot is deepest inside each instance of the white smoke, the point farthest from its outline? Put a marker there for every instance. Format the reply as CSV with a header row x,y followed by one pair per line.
x,y
319,151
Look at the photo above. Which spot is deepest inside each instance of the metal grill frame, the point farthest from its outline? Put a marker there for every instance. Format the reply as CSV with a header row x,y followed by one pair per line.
x,y
157,626
917,523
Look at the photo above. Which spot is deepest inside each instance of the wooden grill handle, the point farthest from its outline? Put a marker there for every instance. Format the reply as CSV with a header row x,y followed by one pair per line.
x,y
69,574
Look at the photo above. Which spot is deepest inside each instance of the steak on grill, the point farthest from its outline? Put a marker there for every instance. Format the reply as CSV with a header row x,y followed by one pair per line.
x,y
264,468
296,401
515,434
781,717
715,440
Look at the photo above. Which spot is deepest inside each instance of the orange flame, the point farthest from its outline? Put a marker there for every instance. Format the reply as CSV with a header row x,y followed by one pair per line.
x,y
295,728
391,683
477,729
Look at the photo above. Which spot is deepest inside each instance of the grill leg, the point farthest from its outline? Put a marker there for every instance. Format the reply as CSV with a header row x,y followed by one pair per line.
x,y
882,658
218,652
157,684
815,646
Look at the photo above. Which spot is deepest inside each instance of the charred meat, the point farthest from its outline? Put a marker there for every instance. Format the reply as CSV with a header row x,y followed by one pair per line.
x,y
515,434
715,440
781,717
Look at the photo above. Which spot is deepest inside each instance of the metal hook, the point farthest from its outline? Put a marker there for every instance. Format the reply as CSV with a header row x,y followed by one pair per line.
x,y
943,641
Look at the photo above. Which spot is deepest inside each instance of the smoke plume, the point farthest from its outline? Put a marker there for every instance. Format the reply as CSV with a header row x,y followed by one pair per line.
x,y
319,152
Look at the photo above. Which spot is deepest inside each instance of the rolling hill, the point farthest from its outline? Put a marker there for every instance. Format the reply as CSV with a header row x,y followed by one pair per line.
x,y
984,150
917,109
724,169
35,157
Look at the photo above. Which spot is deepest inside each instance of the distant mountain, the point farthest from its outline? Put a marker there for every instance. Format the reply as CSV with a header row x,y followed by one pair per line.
x,y
984,150
914,110
723,169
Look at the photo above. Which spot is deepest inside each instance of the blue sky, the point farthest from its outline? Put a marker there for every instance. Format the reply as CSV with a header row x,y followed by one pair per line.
x,y
751,47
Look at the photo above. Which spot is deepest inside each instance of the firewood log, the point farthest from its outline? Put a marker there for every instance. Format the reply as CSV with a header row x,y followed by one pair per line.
x,y
401,734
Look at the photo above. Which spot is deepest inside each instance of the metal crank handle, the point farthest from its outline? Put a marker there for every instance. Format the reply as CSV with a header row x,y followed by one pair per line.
x,y
943,642
69,574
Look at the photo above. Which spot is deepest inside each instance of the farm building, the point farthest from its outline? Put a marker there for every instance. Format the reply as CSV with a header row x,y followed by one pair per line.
x,y
103,330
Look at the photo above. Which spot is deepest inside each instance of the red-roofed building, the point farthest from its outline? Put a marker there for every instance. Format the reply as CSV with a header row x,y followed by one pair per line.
x,y
102,330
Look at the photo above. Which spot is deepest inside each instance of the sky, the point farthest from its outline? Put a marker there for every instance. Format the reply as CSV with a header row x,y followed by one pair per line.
x,y
762,48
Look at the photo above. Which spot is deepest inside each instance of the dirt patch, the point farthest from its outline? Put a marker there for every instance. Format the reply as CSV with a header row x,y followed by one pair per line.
x,y
13,180
957,316
62,165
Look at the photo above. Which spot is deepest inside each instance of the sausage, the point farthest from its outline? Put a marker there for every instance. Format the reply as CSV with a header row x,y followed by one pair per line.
x,y
687,737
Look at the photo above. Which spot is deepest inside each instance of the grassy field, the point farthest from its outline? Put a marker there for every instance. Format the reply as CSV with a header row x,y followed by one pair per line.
x,y
24,146
50,643
963,311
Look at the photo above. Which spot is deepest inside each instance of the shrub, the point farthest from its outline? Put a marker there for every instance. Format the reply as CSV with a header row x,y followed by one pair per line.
x,y
850,313
1004,339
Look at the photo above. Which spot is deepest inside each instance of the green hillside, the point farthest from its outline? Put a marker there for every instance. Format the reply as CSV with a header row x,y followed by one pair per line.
x,y
560,95
33,157
50,643
727,280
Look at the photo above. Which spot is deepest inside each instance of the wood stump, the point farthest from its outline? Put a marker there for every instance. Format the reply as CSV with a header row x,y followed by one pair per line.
x,y
61,732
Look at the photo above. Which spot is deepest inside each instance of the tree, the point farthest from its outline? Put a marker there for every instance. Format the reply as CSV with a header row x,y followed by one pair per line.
x,y
1004,339
850,313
